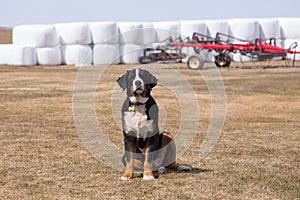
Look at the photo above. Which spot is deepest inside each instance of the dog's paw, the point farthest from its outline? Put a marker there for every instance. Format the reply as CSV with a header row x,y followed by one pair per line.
x,y
124,178
162,170
127,176
148,178
184,168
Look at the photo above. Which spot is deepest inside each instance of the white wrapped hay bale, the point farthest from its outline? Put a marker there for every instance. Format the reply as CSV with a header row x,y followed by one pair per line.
x,y
136,33
270,28
35,35
106,54
79,55
187,28
17,55
104,32
246,29
290,27
130,53
166,29
131,32
74,33
149,33
217,26
49,56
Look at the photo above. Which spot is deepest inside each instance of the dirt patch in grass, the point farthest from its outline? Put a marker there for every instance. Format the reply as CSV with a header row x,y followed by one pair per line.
x,y
257,156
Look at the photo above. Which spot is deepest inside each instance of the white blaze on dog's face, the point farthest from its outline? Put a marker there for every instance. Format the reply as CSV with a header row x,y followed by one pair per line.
x,y
138,94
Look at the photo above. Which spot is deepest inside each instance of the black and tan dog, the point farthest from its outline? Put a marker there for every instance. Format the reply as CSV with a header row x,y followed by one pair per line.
x,y
146,148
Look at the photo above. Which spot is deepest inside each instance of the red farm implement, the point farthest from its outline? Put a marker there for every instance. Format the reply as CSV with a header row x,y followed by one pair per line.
x,y
259,50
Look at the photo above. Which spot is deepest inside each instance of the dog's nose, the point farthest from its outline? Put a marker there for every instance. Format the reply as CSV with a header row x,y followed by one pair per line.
x,y
138,84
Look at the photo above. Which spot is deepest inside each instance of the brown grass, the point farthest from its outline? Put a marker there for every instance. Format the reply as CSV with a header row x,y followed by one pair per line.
x,y
257,156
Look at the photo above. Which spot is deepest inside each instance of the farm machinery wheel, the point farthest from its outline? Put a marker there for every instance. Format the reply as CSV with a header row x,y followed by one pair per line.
x,y
195,62
222,60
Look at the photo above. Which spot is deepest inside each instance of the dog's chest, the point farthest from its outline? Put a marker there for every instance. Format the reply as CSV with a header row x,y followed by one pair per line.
x,y
136,123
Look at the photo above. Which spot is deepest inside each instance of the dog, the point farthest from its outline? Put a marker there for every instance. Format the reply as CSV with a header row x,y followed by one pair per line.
x,y
146,148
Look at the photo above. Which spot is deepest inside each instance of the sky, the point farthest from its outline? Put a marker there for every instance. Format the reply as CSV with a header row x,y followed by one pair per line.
x,y
17,12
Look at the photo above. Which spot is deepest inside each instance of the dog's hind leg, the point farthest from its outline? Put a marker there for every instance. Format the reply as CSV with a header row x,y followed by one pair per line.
x,y
169,155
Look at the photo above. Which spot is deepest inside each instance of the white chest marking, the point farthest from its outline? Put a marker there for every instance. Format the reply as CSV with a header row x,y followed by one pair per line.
x,y
136,123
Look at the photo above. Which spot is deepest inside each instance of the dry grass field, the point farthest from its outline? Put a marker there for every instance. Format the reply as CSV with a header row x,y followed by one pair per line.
x,y
257,156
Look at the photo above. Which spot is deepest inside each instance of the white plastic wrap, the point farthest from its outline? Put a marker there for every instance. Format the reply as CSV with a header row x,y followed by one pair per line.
x,y
104,32
79,55
187,28
49,56
136,33
149,33
217,26
166,29
35,35
17,55
290,28
131,33
130,53
74,33
246,29
270,28
106,54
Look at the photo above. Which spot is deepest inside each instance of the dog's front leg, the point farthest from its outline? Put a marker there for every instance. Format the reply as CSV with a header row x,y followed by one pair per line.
x,y
148,168
130,149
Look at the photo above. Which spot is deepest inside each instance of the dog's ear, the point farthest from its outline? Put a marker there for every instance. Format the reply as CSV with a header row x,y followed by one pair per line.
x,y
122,81
152,80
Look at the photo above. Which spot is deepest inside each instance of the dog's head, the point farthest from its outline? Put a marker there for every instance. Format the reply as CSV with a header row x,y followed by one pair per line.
x,y
139,83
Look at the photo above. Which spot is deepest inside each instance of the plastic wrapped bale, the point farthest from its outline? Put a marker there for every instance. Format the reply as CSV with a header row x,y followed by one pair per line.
x,y
49,56
187,28
17,55
131,33
290,28
35,35
166,29
79,55
74,33
130,53
246,29
270,28
106,54
149,33
104,32
218,26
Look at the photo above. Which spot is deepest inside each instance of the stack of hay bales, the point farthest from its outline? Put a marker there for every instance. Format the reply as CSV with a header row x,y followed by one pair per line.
x,y
96,43
32,44
105,37
75,40
134,38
